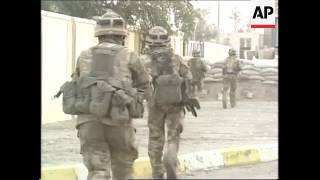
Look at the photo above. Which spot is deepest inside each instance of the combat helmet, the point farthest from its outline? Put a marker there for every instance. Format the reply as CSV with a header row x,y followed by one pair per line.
x,y
110,23
232,52
157,36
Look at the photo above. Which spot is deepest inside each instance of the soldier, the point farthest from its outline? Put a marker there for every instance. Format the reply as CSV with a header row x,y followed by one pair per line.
x,y
169,74
230,72
108,141
198,69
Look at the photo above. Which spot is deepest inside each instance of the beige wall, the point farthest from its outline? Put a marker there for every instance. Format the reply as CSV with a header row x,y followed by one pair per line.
x,y
214,52
83,35
56,56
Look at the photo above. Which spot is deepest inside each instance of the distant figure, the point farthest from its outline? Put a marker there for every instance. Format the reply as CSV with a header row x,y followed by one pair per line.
x,y
198,69
230,71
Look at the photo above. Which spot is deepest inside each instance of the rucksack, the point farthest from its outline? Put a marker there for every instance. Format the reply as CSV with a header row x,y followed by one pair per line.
x,y
167,82
100,92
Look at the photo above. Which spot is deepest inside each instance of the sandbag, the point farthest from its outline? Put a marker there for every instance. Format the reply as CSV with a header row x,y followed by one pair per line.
x,y
269,74
218,75
271,78
257,77
215,71
250,72
270,82
217,79
247,66
268,70
208,79
250,67
209,75
255,81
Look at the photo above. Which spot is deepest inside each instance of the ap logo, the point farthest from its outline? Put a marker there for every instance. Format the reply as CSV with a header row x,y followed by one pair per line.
x,y
263,14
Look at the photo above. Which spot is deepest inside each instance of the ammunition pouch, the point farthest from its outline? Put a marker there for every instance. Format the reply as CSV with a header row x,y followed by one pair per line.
x,y
101,95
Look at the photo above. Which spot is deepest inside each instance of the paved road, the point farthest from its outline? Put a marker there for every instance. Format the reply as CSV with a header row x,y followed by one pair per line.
x,y
267,170
251,122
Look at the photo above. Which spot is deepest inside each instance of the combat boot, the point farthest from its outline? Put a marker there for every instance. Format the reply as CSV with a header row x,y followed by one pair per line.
x,y
158,172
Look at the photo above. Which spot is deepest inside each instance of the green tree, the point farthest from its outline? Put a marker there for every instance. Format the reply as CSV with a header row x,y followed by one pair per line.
x,y
205,31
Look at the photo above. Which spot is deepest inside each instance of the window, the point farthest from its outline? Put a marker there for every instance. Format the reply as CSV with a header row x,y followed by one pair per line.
x,y
245,43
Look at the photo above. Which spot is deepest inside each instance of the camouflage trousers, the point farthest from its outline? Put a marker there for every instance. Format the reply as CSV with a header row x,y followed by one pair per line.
x,y
172,117
229,83
107,149
196,85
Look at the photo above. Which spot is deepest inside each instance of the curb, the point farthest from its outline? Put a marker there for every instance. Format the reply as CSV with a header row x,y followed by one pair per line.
x,y
214,159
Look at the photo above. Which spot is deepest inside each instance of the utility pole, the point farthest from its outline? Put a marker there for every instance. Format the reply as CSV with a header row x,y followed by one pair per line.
x,y
218,14
218,34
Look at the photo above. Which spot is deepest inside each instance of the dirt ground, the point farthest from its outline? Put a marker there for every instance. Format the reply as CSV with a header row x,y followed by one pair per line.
x,y
251,122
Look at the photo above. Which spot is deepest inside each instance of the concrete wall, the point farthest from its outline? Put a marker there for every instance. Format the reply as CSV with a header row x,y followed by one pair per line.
x,y
83,35
56,62
212,52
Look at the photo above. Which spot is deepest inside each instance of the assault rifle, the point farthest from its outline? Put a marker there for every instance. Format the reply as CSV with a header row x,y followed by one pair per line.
x,y
191,105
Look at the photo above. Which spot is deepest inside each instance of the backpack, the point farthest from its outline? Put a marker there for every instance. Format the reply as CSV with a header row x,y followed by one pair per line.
x,y
167,82
100,92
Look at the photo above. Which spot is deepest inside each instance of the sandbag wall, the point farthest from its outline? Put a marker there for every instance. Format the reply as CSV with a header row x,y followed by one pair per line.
x,y
250,71
259,78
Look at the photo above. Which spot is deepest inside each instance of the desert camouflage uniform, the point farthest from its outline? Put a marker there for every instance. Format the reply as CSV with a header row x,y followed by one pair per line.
x,y
198,69
172,116
230,81
106,144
